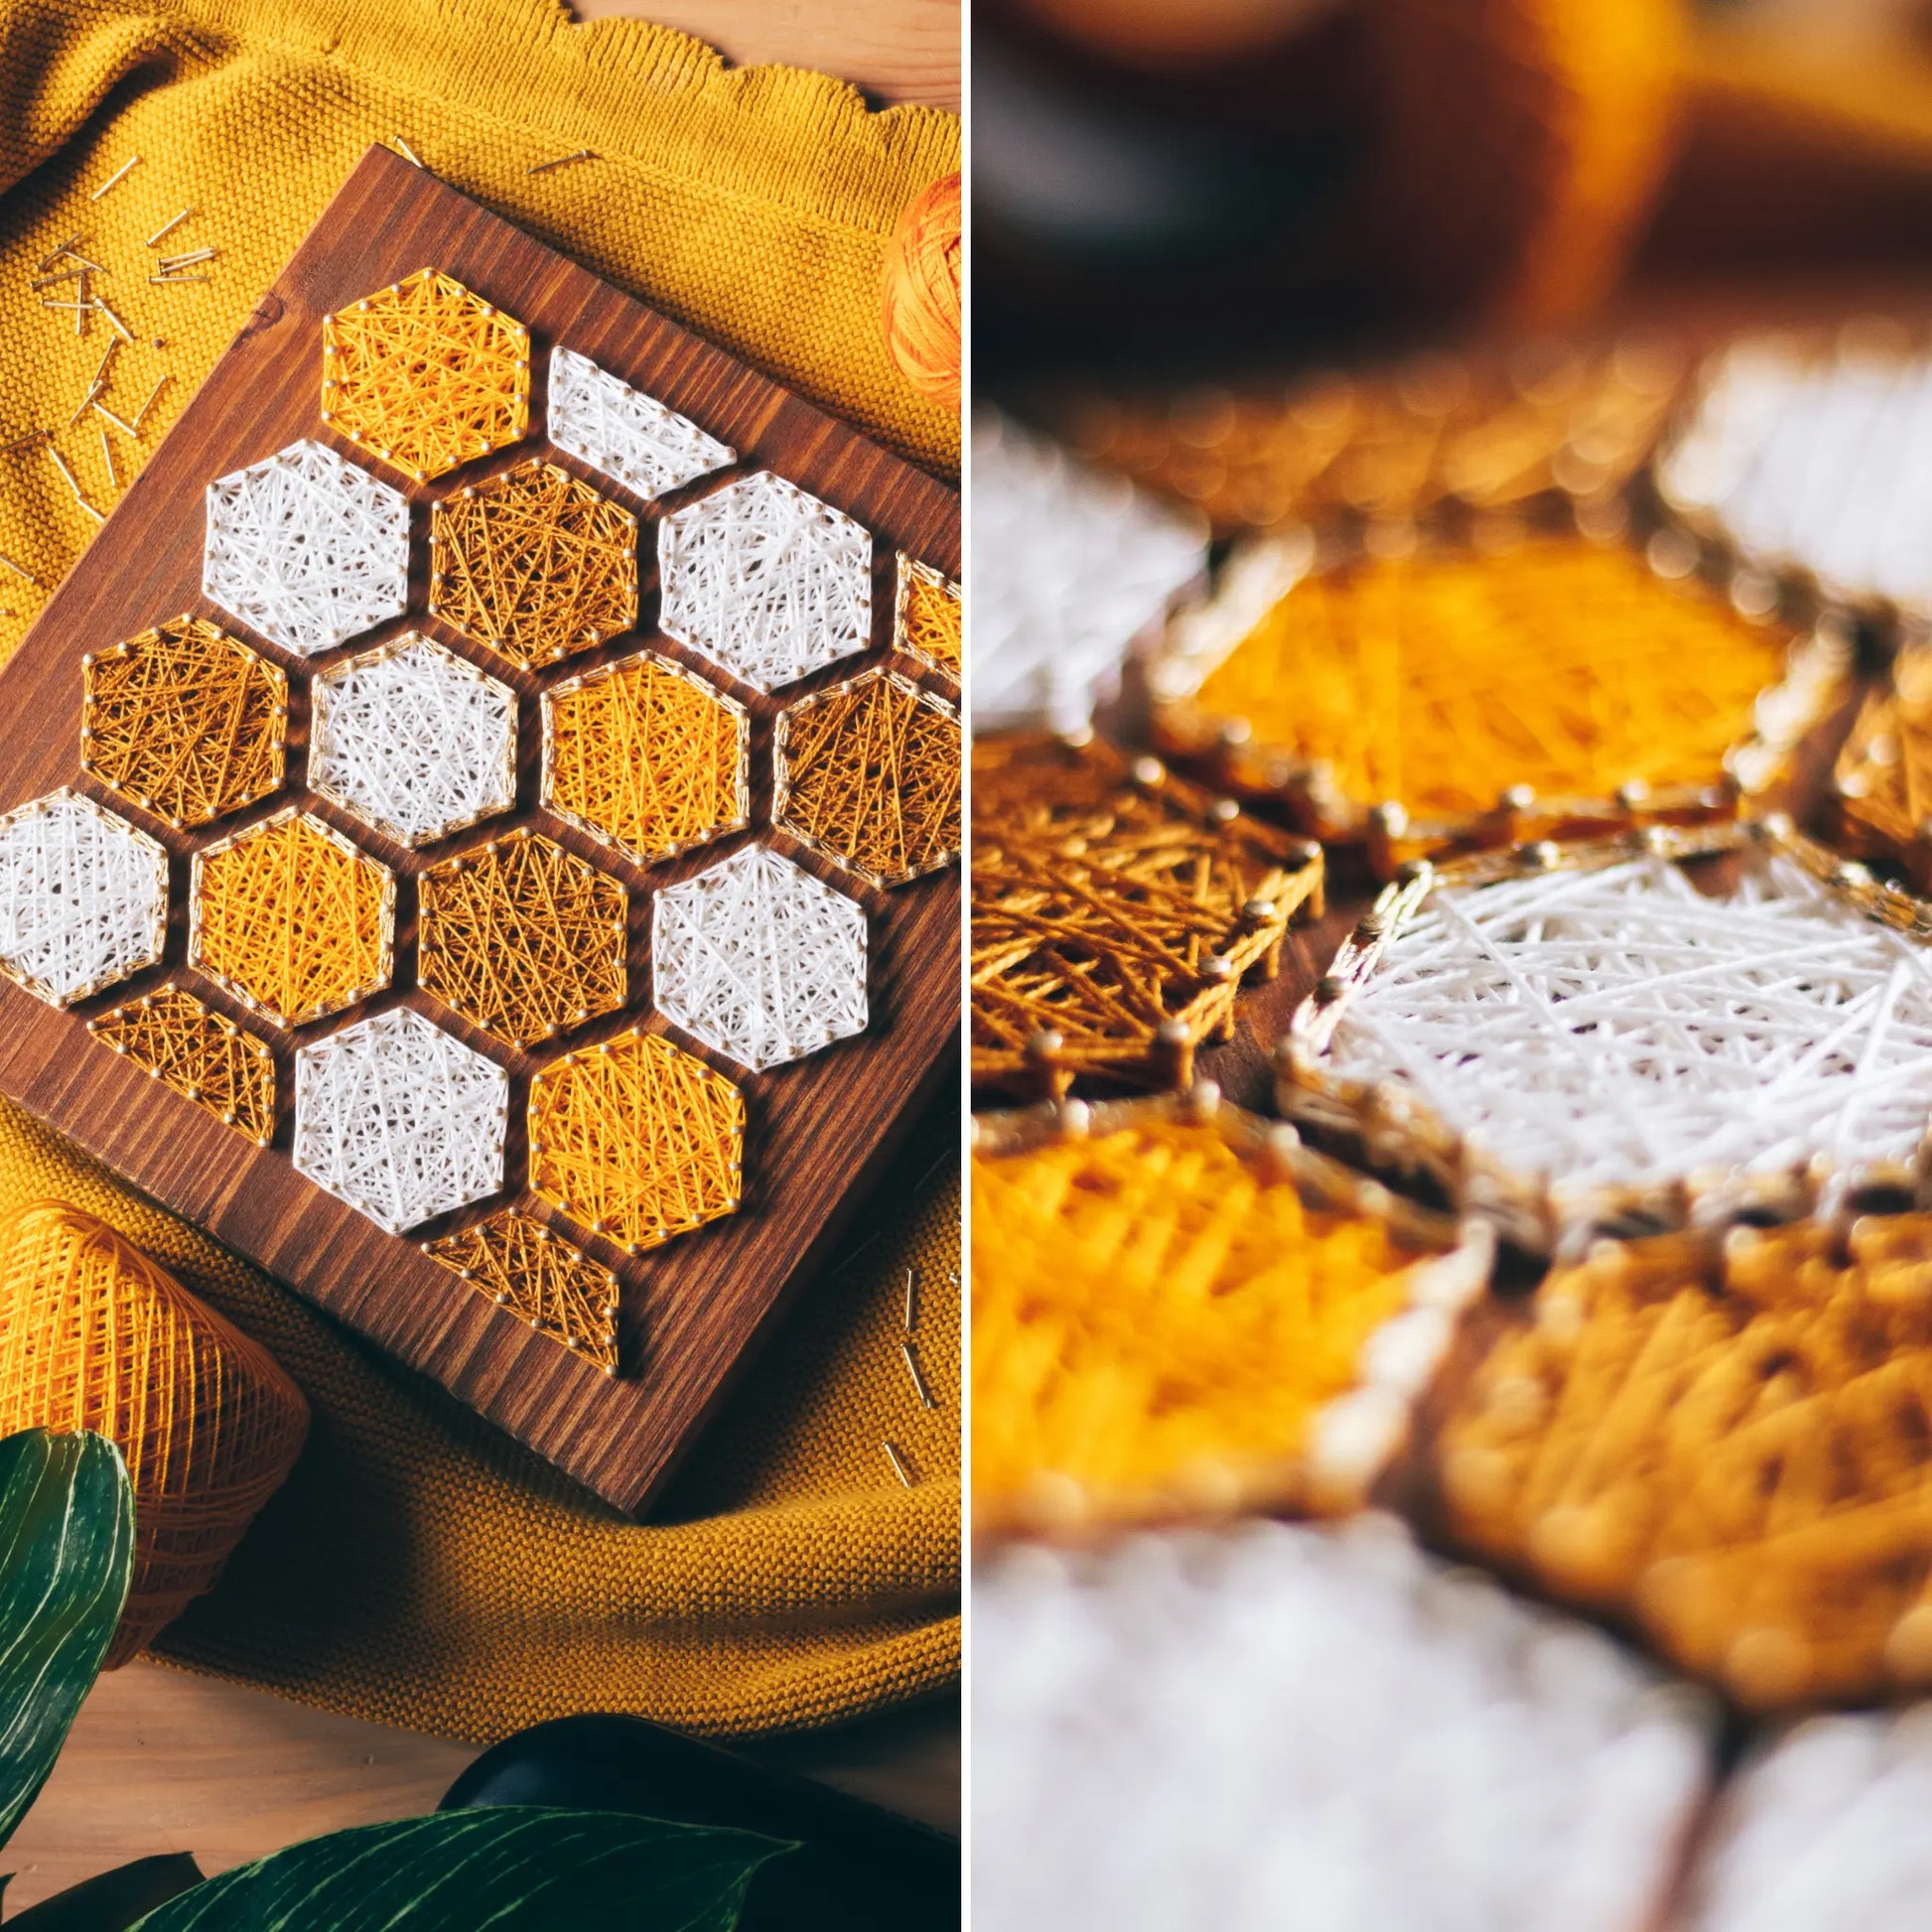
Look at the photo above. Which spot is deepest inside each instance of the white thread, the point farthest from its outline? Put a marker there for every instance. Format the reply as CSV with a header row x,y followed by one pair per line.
x,y
83,898
759,959
1617,1026
306,548
399,1119
765,581
1271,1726
1068,568
414,741
629,435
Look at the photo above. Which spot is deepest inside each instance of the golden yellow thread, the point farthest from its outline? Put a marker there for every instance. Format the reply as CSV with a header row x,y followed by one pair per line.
x,y
534,564
868,773
184,721
541,1279
426,376
522,937
173,1039
638,1139
647,757
291,919
927,621
1883,780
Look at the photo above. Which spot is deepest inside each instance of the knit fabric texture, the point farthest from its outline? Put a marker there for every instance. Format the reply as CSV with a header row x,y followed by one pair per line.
x,y
420,1569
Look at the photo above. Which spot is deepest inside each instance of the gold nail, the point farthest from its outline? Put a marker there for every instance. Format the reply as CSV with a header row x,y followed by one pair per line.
x,y
59,252
86,403
141,414
168,263
59,275
918,1380
898,1461
168,280
126,429
121,173
562,161
408,153
911,1298
20,570
168,228
120,328
108,457
98,382
26,442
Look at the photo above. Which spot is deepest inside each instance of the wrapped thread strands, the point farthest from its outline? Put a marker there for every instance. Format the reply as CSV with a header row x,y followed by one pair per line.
x,y
426,376
291,919
1176,1307
647,757
538,1276
184,721
202,1055
929,623
521,938
868,774
629,436
1115,910
636,1140
534,564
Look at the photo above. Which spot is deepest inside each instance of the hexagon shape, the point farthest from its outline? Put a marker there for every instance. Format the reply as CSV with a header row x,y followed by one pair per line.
x,y
765,581
425,375
413,741
627,435
636,1140
647,757
184,721
759,959
306,548
522,937
868,773
83,898
399,1119
292,919
928,620
534,563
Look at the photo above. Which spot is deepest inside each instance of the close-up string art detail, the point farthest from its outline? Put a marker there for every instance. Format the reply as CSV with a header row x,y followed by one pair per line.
x,y
306,549
1726,1444
636,1140
765,581
629,436
292,919
868,773
1882,784
1116,909
647,757
521,938
413,741
534,564
534,1273
184,721
928,622
399,1119
759,959
83,898
202,1055
425,375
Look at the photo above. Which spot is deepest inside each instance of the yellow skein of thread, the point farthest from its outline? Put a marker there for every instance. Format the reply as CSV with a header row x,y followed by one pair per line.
x,y
921,315
94,1336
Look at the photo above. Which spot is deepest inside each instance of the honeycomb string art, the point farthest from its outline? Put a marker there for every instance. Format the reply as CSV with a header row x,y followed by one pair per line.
x,y
425,375
1881,785
534,563
868,774
202,1054
1177,1309
647,757
1725,1443
928,621
1115,910
521,938
630,436
636,1140
291,919
538,1276
186,723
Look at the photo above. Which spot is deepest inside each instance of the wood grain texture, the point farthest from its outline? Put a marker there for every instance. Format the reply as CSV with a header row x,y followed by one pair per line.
x,y
819,1129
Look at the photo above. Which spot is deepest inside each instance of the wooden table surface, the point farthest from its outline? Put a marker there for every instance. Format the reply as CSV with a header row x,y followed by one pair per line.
x,y
161,1761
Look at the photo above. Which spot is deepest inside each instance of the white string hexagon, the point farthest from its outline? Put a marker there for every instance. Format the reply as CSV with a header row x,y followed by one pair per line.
x,y
765,581
1616,1027
759,959
413,741
399,1119
306,548
83,898
629,435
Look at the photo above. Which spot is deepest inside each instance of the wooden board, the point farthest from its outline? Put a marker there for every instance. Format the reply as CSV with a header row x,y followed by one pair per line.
x,y
817,1129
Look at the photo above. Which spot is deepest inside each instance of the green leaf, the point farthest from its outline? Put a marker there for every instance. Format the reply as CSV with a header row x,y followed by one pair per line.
x,y
519,1867
66,1551
113,1901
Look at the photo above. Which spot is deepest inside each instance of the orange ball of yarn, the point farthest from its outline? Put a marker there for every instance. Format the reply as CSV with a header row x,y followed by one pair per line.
x,y
94,1336
922,303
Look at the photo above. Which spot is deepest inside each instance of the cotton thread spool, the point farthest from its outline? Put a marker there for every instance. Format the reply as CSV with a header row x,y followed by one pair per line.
x,y
921,308
94,1336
